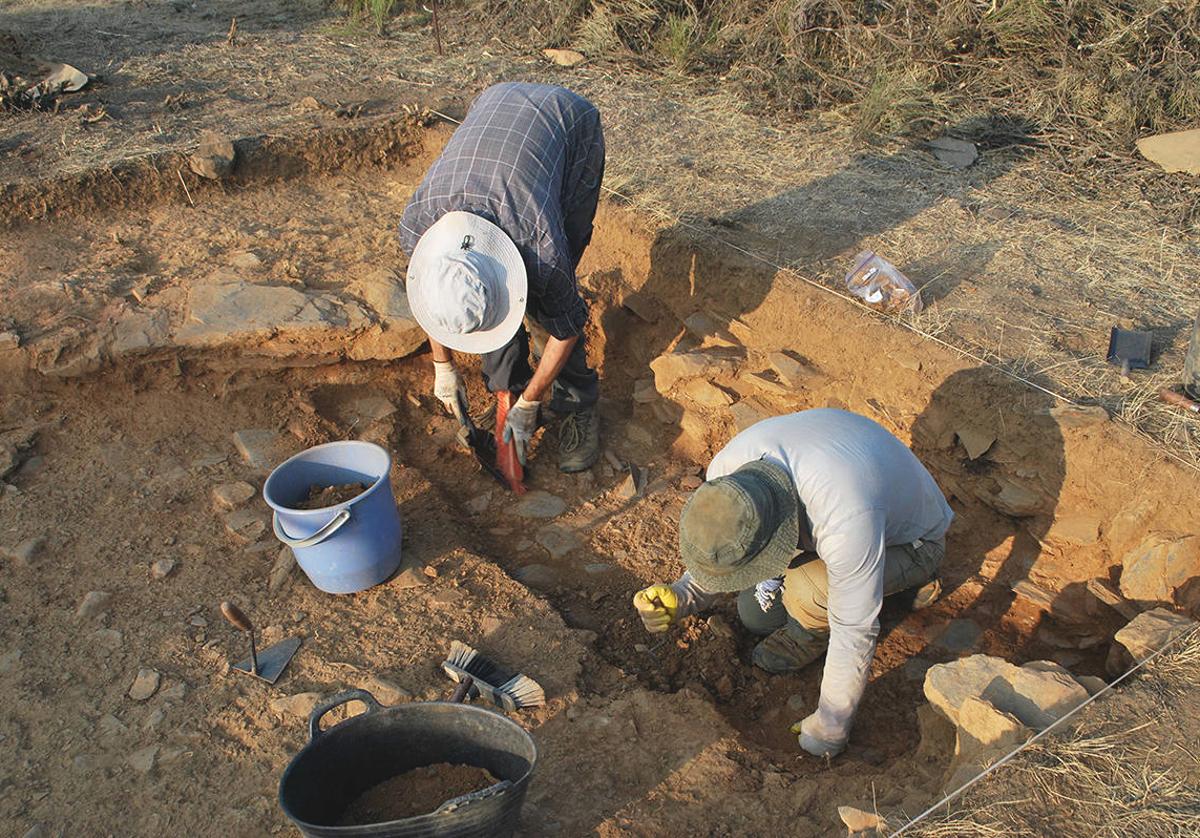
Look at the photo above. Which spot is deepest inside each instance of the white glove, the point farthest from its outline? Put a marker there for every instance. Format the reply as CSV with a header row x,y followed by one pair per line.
x,y
448,387
818,741
520,425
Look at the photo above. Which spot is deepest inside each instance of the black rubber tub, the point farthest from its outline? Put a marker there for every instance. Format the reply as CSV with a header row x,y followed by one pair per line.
x,y
339,764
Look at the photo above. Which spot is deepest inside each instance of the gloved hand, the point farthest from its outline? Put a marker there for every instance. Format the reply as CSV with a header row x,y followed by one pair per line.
x,y
656,606
520,425
448,387
816,740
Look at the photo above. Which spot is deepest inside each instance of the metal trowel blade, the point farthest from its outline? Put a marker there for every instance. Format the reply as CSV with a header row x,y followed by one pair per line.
x,y
271,660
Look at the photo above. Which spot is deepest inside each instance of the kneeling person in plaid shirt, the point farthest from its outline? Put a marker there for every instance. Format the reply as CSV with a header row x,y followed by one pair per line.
x,y
494,233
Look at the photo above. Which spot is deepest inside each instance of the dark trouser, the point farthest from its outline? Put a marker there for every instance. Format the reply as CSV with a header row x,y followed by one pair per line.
x,y
577,386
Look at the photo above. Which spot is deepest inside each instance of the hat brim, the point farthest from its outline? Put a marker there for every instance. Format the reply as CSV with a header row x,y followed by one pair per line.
x,y
775,557
445,236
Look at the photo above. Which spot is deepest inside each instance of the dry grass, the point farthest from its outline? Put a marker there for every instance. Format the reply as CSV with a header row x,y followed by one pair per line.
x,y
1116,774
1088,77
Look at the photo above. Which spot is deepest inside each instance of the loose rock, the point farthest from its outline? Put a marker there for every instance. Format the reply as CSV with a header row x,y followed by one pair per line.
x,y
984,732
144,685
1161,564
859,821
707,394
746,414
385,691
564,57
214,156
108,638
539,504
1036,699
1144,635
690,482
143,759
232,495
538,576
1177,151
260,447
558,540
162,568
674,366
94,603
299,705
1014,499
26,552
957,153
245,526
281,570
479,504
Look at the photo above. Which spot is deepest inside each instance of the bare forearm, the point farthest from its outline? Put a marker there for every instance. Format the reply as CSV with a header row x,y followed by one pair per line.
x,y
554,358
440,353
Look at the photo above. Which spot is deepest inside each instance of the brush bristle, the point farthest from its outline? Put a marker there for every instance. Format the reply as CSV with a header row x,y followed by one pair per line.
x,y
519,690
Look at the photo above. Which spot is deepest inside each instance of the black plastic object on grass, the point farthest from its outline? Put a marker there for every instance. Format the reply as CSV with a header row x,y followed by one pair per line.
x,y
1128,349
339,764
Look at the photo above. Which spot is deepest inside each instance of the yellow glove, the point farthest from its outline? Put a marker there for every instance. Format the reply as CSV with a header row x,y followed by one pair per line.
x,y
656,606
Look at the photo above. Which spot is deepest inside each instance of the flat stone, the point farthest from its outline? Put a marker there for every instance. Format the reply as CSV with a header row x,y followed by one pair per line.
x,y
597,568
143,759
1015,499
479,504
767,383
409,577
959,636
564,57
1092,683
1144,635
26,552
299,705
709,329
237,314
539,504
144,685
937,735
1178,151
745,414
162,568
644,391
985,733
791,372
1081,529
953,152
976,441
1078,416
538,576
107,638
633,484
557,540
716,623
860,820
260,448
175,692
797,703
707,394
245,526
281,570
213,157
1036,699
676,366
246,260
110,725
385,691
94,603
233,495
1162,563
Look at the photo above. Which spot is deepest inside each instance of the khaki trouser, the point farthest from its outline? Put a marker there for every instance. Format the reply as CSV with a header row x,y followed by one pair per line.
x,y
805,595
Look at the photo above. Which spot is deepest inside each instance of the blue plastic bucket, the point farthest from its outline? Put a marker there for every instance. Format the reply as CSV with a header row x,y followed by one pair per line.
x,y
348,547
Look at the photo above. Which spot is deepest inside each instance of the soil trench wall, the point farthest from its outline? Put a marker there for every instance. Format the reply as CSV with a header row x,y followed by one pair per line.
x,y
1081,493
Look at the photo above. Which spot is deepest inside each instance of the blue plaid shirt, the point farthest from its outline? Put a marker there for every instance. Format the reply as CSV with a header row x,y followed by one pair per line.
x,y
525,156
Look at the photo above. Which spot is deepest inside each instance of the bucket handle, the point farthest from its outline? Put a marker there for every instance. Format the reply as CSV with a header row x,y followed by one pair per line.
x,y
335,524
318,713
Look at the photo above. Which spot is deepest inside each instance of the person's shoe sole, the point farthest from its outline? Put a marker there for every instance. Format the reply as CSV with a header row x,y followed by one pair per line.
x,y
575,469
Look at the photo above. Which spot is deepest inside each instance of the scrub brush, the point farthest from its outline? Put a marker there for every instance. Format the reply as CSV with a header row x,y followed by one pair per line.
x,y
507,690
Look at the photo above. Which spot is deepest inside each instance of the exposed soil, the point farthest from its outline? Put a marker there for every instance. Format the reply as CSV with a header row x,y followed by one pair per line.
x,y
415,793
320,497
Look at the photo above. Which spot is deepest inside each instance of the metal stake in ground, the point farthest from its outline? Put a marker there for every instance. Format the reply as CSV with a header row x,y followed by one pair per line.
x,y
274,659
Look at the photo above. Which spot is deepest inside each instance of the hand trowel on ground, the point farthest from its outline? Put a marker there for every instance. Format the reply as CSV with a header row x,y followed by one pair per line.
x,y
268,664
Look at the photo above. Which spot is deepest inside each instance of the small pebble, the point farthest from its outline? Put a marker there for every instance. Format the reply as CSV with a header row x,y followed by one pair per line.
x,y
162,568
144,685
94,603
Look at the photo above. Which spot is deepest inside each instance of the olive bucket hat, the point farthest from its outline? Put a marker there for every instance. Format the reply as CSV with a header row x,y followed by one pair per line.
x,y
738,530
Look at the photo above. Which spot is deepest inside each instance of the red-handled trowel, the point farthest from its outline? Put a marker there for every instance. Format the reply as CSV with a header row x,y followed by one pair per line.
x,y
481,443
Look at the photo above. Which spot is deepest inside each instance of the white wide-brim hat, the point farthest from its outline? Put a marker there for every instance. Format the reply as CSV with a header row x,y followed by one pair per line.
x,y
466,284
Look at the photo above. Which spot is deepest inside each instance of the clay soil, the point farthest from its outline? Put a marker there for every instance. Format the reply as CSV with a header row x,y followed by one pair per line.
x,y
321,496
415,793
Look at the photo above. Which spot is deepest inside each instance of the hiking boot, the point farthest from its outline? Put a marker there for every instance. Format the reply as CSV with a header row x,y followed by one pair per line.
x,y
927,594
578,441
789,649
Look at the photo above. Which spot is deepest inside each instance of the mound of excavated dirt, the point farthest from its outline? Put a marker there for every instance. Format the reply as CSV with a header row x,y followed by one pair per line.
x,y
415,792
320,497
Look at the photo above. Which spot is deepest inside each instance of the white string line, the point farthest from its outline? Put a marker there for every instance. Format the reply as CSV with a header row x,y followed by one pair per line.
x,y
1011,754
959,350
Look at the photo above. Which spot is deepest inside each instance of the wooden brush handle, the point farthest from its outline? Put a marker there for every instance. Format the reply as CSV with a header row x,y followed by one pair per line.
x,y
236,617
460,692
1179,400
